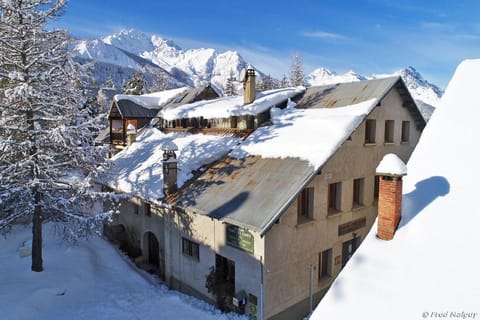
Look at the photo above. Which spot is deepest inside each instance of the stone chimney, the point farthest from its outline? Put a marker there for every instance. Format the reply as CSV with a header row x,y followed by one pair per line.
x,y
249,91
170,167
390,171
131,134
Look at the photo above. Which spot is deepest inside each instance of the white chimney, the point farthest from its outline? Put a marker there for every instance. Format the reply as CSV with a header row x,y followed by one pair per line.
x,y
131,134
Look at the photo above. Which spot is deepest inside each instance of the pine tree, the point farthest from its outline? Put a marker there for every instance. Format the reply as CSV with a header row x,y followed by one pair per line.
x,y
284,82
102,101
47,160
159,82
297,76
230,85
136,85
268,83
109,83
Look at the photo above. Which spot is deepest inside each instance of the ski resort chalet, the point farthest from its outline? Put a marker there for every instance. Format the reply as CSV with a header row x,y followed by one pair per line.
x,y
256,203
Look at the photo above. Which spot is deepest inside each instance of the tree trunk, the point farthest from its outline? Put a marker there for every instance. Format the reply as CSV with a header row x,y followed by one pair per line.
x,y
37,261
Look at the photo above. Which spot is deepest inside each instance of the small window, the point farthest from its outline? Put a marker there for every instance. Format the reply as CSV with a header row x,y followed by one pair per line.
x,y
305,205
117,125
334,197
191,249
389,131
370,131
325,264
405,131
376,187
358,192
148,209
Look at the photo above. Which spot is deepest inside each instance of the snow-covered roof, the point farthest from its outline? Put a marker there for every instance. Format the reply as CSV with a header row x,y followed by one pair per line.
x,y
151,100
309,134
138,169
229,106
267,170
430,268
391,164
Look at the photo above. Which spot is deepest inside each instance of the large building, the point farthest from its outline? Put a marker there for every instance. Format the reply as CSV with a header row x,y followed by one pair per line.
x,y
262,222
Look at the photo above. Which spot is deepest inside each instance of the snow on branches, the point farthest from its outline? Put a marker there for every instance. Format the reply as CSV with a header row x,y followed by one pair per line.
x,y
45,140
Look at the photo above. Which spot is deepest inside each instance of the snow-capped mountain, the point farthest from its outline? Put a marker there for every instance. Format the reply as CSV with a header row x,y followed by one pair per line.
x,y
194,66
426,94
120,54
323,76
420,88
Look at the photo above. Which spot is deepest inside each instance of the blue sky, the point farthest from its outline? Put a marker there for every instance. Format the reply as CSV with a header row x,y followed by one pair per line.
x,y
368,36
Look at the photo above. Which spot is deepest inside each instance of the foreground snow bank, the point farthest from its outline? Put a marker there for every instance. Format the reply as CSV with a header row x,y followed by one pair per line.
x,y
430,269
88,281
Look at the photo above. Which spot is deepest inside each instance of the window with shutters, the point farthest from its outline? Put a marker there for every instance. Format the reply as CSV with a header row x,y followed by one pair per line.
x,y
305,205
358,192
334,197
191,249
325,264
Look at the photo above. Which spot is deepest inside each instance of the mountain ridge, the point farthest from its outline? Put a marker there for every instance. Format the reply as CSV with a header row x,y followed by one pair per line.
x,y
133,50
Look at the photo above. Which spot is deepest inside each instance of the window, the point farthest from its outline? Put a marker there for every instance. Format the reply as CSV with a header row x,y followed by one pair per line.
x,y
117,125
148,209
305,205
376,187
334,197
370,131
389,131
405,131
325,264
191,249
358,192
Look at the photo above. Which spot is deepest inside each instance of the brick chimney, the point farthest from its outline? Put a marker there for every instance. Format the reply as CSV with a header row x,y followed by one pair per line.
x,y
170,167
131,134
390,171
249,90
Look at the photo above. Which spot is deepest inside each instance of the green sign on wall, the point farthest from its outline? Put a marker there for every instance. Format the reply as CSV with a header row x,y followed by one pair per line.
x,y
240,238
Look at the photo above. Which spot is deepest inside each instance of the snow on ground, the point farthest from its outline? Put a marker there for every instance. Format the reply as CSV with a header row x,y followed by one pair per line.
x,y
88,281
430,269
230,106
309,134
151,100
138,169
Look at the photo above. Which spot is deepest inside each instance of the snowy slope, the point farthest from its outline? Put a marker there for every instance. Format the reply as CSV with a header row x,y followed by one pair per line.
x,y
100,51
430,269
88,281
420,88
194,66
